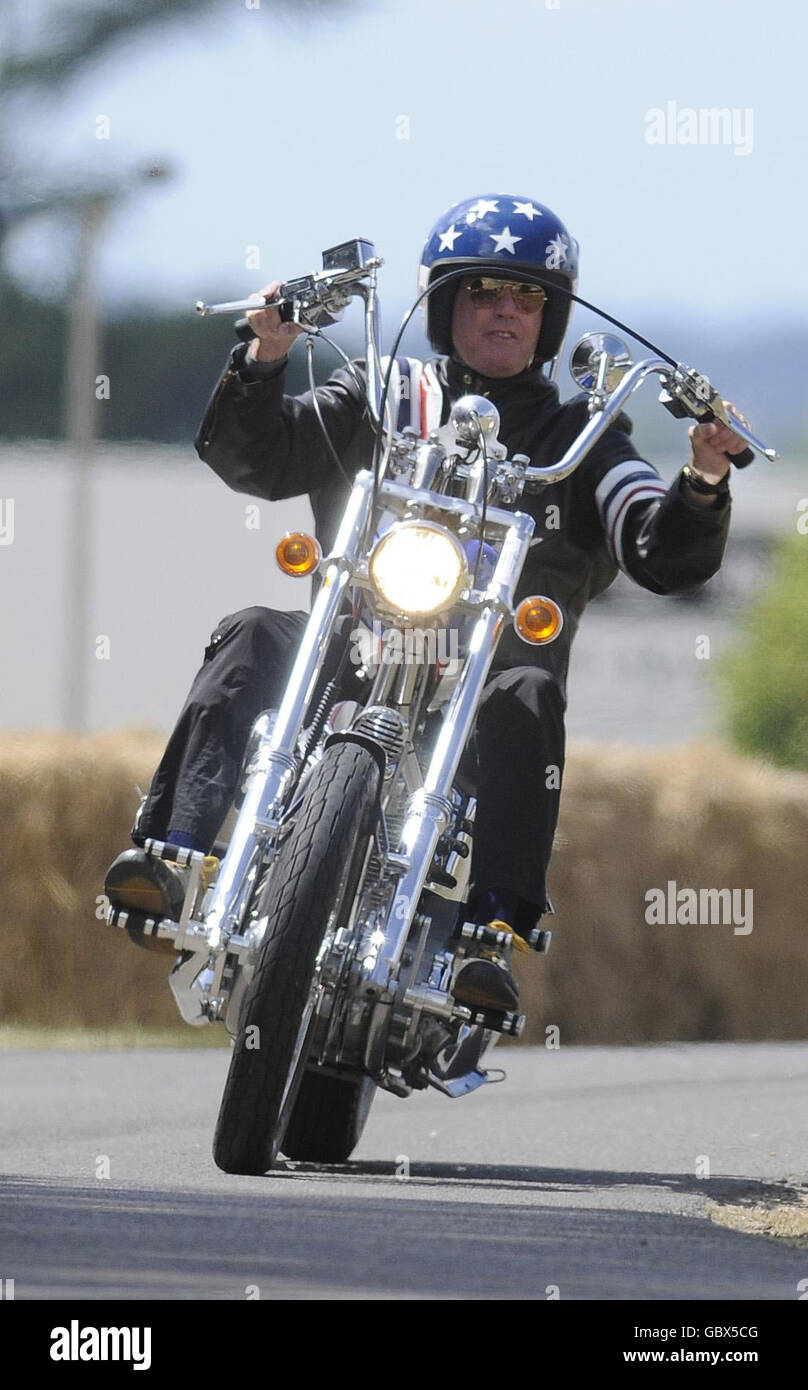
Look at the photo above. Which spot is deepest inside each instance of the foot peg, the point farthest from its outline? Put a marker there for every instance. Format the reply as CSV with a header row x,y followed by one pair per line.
x,y
153,901
159,934
491,937
173,854
510,1025
144,930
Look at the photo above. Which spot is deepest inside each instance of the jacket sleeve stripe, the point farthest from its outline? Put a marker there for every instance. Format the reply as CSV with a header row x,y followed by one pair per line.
x,y
628,482
637,494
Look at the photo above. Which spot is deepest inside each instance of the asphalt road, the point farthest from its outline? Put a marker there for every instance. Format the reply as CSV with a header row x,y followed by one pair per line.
x,y
589,1174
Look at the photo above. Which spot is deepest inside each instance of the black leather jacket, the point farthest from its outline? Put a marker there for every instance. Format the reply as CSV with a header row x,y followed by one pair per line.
x,y
614,512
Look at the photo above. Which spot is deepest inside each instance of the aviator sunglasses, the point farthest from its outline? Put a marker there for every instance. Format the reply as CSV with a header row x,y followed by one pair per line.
x,y
485,291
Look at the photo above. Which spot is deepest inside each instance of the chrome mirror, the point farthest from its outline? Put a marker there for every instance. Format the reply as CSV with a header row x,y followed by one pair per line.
x,y
472,416
599,361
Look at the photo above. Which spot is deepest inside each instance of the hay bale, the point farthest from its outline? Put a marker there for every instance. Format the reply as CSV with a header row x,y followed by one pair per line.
x,y
67,805
701,817
631,820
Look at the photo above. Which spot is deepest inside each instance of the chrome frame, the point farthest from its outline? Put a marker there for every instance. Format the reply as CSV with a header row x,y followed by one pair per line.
x,y
277,762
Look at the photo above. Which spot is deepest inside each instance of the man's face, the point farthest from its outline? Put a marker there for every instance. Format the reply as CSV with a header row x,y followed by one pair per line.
x,y
496,339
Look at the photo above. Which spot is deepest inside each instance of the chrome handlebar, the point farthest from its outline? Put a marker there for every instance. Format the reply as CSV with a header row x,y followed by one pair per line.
x,y
350,271
316,301
325,294
677,385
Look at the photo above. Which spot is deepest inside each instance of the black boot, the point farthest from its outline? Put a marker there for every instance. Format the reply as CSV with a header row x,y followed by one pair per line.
x,y
137,881
485,979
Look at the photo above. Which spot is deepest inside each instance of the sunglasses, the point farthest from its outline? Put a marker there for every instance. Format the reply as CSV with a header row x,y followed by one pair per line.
x,y
486,291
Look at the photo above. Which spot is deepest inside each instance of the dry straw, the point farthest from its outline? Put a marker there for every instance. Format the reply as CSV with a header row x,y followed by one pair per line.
x,y
630,821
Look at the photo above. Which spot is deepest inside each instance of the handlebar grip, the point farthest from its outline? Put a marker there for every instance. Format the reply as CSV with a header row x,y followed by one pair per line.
x,y
244,331
680,410
742,460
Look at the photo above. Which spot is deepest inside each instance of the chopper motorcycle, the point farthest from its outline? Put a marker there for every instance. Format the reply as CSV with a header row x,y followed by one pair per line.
x,y
326,933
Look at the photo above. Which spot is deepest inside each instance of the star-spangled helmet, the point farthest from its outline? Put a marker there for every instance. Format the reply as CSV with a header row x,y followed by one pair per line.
x,y
500,233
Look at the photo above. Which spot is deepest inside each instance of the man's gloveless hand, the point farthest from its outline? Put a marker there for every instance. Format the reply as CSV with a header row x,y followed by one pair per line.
x,y
274,337
711,443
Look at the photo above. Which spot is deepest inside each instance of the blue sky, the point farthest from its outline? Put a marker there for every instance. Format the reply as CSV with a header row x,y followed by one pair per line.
x,y
284,134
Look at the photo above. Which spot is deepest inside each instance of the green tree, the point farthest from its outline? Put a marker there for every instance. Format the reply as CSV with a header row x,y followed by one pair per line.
x,y
765,678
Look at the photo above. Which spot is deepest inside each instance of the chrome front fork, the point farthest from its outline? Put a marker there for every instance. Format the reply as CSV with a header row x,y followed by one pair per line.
x,y
430,808
276,763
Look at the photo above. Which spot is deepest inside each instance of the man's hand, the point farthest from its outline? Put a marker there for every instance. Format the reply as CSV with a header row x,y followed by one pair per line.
x,y
710,443
274,337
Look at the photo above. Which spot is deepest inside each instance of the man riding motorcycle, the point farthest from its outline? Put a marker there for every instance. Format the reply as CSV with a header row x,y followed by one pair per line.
x,y
495,329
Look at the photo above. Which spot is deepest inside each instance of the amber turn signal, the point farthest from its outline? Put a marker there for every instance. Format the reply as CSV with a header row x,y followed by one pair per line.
x,y
538,620
298,554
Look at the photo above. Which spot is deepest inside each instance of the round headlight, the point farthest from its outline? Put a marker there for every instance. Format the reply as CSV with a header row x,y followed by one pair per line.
x,y
418,568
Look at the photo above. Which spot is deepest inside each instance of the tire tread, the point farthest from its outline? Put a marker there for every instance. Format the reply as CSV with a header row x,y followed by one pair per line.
x,y
307,873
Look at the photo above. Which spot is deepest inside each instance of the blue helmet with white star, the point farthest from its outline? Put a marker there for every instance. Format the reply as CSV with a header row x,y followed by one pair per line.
x,y
503,235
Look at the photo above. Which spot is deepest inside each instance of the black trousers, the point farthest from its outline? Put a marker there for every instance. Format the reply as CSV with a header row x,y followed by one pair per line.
x,y
515,755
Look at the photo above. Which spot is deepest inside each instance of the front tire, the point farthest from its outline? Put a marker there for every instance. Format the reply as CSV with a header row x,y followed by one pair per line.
x,y
329,1116
312,880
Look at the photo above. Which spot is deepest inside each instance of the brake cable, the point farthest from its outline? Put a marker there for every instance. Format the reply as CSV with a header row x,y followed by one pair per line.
x,y
378,427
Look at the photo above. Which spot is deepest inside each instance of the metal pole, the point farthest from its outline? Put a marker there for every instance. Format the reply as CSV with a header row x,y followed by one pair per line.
x,y
81,420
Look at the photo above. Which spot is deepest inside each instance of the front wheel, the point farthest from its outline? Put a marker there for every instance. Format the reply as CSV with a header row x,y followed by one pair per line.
x,y
328,1118
311,885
